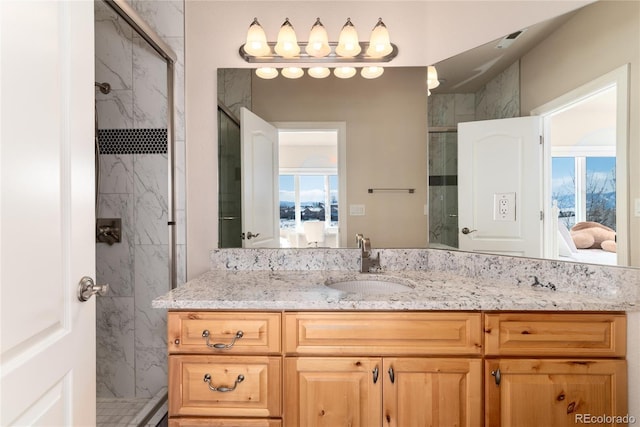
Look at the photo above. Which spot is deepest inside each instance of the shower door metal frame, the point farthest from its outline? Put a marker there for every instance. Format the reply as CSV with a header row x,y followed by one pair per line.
x,y
126,12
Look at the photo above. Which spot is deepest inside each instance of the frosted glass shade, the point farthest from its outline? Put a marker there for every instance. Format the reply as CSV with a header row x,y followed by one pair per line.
x,y
379,44
287,44
371,72
432,77
292,72
348,44
344,72
319,72
256,44
318,45
267,73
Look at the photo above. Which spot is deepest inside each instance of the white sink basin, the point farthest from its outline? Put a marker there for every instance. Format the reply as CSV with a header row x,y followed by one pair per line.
x,y
370,286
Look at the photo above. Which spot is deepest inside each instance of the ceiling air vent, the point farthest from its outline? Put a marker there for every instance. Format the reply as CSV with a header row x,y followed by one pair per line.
x,y
508,40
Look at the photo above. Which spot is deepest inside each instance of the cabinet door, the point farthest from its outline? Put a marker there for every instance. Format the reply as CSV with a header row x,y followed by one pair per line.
x,y
432,392
333,392
555,393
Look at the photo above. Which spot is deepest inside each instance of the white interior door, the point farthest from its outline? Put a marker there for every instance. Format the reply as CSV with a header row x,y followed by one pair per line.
x,y
47,214
260,207
500,186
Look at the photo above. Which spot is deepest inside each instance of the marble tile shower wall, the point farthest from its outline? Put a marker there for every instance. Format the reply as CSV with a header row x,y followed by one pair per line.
x,y
234,89
131,335
498,99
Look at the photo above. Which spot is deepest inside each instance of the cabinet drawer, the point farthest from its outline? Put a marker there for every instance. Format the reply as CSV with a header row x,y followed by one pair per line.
x,y
252,384
555,334
189,332
389,333
223,422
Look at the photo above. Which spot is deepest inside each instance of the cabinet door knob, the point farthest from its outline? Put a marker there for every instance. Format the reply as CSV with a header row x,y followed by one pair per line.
x,y
496,375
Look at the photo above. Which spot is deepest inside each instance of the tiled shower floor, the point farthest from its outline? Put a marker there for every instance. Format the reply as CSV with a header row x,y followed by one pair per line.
x,y
132,412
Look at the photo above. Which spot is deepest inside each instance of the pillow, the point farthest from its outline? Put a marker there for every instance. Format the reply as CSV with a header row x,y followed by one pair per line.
x,y
565,242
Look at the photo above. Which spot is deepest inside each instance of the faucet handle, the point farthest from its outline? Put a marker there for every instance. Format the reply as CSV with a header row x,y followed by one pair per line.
x,y
366,245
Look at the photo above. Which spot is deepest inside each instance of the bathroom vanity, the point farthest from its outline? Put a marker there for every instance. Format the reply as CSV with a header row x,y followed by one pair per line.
x,y
273,347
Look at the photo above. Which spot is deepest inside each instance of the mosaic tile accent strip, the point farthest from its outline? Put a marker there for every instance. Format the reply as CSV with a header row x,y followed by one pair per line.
x,y
132,141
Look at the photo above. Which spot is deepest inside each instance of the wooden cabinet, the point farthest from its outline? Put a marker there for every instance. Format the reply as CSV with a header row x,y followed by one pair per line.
x,y
394,369
535,389
333,392
375,388
226,366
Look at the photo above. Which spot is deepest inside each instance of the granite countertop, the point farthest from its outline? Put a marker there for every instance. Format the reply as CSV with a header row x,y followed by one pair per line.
x,y
427,290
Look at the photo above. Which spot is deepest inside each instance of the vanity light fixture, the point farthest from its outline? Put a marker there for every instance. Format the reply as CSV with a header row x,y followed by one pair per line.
x,y
292,72
348,49
348,44
256,44
287,45
371,72
432,77
267,72
318,72
379,44
344,72
318,45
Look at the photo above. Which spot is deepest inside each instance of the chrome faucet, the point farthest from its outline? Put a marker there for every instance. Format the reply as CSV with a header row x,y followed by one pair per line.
x,y
366,262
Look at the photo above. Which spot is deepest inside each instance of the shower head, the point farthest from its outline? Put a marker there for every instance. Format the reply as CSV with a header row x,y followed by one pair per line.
x,y
104,87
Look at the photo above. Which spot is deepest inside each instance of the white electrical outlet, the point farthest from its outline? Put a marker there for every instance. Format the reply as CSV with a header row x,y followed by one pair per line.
x,y
504,207
637,207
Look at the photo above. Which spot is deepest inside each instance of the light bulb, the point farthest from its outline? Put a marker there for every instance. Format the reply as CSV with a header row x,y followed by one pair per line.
x,y
318,45
432,77
348,44
371,72
318,72
256,44
344,72
292,72
287,44
379,44
267,73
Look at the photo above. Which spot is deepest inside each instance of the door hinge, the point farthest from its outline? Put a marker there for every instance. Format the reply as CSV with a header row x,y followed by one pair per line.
x,y
541,215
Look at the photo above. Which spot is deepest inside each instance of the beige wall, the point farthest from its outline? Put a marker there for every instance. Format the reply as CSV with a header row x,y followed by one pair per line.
x,y
597,40
386,143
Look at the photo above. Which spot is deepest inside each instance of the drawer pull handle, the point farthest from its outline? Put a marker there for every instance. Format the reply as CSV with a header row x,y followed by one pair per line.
x,y
222,389
375,373
220,346
392,375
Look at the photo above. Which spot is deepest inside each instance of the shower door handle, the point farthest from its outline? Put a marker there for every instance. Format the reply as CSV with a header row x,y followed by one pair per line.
x,y
87,288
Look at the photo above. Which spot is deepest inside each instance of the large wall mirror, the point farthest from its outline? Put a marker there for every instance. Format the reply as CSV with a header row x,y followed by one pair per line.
x,y
381,158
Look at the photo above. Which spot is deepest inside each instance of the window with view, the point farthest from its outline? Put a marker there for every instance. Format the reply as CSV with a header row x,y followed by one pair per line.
x,y
584,188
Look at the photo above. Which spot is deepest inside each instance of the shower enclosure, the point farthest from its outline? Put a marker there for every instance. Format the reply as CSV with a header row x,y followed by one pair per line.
x,y
135,226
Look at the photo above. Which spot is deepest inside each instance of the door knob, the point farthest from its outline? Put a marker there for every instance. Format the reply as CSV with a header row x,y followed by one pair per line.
x,y
87,288
467,231
250,235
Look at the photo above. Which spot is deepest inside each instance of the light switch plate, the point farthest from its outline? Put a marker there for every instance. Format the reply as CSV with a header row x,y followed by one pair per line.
x,y
356,210
504,207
